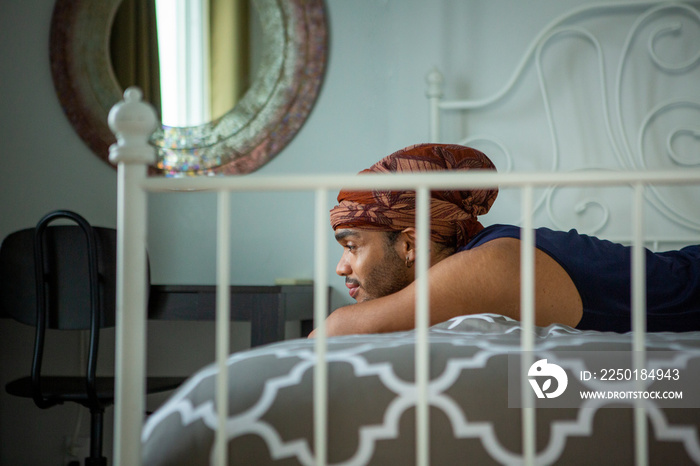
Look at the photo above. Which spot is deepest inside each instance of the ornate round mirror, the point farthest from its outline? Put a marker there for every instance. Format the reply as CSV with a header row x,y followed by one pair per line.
x,y
266,114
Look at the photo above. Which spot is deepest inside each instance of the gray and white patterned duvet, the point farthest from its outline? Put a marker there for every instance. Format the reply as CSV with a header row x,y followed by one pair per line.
x,y
372,403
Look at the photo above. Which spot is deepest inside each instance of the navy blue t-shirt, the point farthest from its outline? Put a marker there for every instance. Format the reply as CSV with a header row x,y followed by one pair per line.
x,y
601,272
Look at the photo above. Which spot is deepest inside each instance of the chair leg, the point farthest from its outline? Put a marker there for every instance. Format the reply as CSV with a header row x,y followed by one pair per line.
x,y
96,424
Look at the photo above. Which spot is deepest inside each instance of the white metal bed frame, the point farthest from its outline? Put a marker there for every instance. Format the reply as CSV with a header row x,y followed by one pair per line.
x,y
131,303
132,154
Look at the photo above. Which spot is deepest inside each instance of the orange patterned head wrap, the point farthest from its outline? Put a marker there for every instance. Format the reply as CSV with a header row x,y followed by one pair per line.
x,y
453,214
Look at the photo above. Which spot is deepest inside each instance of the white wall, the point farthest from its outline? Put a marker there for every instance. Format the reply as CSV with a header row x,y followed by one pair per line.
x,y
371,104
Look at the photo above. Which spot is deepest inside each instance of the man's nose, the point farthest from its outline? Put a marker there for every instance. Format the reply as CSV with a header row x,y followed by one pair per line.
x,y
343,268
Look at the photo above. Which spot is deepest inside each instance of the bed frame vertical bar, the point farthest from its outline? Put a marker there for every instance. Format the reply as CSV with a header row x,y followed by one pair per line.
x,y
320,314
527,318
223,319
130,360
132,121
639,325
422,367
434,94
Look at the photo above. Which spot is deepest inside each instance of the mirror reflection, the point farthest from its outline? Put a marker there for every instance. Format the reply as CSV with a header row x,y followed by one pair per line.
x,y
260,115
194,59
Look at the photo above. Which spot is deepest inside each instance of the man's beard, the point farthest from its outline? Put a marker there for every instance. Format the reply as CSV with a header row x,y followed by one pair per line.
x,y
386,278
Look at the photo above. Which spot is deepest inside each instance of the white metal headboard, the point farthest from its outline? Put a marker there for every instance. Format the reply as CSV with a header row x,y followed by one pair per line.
x,y
648,123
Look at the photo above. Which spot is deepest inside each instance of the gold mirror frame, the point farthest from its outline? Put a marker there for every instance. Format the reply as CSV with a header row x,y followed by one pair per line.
x,y
261,124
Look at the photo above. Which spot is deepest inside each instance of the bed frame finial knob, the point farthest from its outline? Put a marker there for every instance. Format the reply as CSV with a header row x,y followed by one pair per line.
x,y
132,121
434,79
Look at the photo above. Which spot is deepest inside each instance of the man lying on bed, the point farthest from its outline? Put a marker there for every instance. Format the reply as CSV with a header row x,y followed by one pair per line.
x,y
580,281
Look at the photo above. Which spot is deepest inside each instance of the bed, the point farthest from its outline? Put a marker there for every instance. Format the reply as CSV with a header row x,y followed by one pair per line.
x,y
461,391
470,420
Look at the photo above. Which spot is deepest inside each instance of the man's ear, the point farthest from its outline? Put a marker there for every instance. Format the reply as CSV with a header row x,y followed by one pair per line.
x,y
408,244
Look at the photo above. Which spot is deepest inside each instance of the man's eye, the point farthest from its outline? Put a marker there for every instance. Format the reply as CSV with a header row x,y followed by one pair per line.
x,y
350,247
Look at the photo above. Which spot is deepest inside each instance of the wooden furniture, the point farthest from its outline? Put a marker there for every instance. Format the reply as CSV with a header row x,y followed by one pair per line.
x,y
266,307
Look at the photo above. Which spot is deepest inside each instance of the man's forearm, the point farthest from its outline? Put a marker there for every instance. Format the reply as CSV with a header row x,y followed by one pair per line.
x,y
391,313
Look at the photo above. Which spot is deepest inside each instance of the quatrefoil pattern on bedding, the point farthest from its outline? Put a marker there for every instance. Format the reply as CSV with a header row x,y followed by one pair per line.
x,y
372,403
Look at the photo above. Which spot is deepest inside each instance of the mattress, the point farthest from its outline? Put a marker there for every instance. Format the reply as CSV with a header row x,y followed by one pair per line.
x,y
474,417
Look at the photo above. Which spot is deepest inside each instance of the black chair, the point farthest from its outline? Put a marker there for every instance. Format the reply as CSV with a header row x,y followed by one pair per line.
x,y
64,277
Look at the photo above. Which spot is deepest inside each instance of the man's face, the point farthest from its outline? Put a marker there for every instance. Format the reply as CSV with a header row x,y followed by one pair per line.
x,y
371,266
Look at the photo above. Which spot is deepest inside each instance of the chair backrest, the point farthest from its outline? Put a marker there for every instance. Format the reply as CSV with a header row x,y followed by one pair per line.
x,y
60,277
67,280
